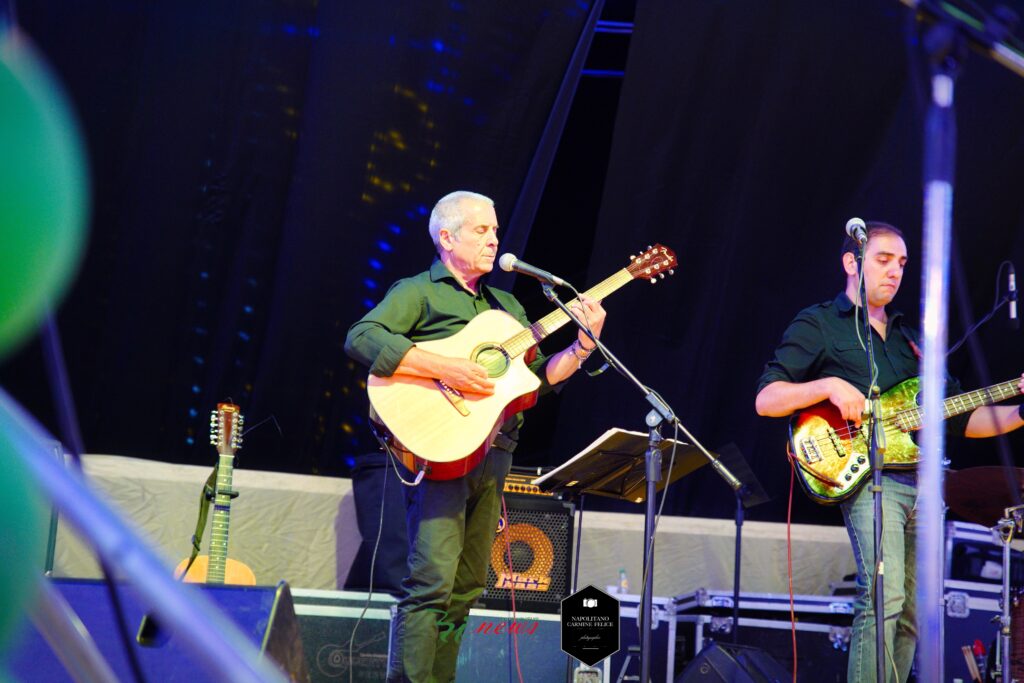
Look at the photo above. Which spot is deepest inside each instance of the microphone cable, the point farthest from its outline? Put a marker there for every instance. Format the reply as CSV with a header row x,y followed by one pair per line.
x,y
996,305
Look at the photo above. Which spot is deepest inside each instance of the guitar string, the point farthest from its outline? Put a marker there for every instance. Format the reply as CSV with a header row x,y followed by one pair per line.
x,y
890,423
993,394
522,341
533,334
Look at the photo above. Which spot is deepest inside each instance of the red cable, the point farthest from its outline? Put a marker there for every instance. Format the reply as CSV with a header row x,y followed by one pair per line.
x,y
789,559
511,585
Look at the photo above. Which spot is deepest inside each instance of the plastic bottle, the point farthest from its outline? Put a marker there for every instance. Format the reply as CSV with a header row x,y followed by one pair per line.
x,y
979,656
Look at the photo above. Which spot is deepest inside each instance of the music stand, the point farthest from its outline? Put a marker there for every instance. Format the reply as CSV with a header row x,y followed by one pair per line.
x,y
613,466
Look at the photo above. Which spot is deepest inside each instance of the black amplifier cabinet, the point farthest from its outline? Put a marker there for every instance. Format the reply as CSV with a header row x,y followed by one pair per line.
x,y
538,537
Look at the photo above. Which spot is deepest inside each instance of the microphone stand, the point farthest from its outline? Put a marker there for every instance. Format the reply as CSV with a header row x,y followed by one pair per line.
x,y
737,555
876,455
659,414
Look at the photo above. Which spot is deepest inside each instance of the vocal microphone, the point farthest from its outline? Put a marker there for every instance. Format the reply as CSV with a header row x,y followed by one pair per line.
x,y
1012,290
510,264
857,230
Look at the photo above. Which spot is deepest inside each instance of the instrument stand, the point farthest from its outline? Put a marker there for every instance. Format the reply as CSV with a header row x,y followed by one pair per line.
x,y
1012,521
660,413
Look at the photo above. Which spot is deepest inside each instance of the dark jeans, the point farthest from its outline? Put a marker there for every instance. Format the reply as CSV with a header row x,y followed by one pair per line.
x,y
451,529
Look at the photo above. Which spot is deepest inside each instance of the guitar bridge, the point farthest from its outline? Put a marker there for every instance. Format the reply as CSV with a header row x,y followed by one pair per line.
x,y
454,397
811,451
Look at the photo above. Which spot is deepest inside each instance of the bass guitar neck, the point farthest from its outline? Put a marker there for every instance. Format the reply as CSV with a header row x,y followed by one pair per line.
x,y
831,455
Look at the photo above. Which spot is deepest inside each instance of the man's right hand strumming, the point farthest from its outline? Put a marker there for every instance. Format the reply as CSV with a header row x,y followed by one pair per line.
x,y
781,399
847,398
465,375
458,373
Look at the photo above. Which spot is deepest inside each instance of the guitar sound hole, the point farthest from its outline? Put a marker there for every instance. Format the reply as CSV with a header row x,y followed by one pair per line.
x,y
493,358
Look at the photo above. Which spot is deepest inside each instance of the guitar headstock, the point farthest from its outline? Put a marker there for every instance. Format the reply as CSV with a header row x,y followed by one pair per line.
x,y
653,263
226,424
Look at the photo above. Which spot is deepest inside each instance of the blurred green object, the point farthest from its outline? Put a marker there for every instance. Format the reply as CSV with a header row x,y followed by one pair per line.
x,y
43,207
23,527
43,190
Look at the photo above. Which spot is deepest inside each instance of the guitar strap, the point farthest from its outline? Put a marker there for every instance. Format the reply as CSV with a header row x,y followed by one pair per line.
x,y
909,336
209,490
492,300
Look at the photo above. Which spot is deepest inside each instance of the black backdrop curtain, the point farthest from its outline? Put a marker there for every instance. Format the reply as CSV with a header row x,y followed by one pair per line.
x,y
747,134
263,170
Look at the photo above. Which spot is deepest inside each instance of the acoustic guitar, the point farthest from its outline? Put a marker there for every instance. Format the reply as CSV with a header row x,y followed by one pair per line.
x,y
831,455
226,434
446,432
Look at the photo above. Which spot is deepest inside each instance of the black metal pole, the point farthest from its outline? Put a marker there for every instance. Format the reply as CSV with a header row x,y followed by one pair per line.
x,y
876,450
652,460
736,570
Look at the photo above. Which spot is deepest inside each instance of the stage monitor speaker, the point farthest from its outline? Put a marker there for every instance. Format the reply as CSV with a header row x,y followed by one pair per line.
x,y
538,536
728,663
265,614
328,619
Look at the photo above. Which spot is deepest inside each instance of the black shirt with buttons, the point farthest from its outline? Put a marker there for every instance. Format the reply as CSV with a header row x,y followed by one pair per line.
x,y
822,341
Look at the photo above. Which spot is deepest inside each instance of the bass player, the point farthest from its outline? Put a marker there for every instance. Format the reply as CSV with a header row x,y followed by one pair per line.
x,y
821,359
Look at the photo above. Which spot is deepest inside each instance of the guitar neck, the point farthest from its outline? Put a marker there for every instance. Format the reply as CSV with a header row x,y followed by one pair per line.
x,y
965,403
533,334
221,520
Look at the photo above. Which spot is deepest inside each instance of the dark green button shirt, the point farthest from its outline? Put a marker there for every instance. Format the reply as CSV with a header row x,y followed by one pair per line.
x,y
431,305
822,342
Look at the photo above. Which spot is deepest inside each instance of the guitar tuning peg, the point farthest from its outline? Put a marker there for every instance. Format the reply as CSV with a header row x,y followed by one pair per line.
x,y
654,280
671,271
661,276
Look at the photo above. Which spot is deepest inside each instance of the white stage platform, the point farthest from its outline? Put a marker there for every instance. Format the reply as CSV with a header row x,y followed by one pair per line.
x,y
302,529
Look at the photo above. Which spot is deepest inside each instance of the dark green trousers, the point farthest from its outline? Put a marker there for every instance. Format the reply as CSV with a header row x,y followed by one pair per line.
x,y
451,529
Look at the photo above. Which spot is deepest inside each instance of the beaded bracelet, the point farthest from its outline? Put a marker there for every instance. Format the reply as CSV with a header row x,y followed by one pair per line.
x,y
579,352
